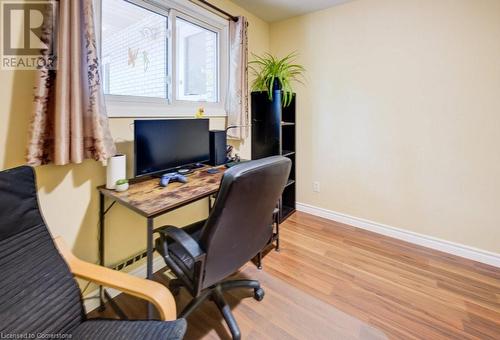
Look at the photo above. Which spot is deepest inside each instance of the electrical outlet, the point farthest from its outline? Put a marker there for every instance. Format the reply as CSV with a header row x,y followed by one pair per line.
x,y
316,186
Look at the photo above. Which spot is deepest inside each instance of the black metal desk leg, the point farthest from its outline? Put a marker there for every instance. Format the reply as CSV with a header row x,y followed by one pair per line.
x,y
150,260
101,245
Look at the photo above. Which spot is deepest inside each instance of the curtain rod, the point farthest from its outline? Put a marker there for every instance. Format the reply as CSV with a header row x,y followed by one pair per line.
x,y
215,8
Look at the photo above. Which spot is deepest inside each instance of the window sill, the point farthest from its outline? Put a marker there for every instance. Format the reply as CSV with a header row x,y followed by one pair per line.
x,y
141,110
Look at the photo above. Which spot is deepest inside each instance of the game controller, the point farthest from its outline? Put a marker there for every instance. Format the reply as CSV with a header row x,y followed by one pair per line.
x,y
172,177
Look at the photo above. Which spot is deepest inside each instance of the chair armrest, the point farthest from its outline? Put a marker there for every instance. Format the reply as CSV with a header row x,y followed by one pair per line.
x,y
148,290
183,239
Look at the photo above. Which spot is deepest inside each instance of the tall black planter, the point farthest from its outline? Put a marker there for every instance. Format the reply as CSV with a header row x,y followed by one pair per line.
x,y
273,133
276,85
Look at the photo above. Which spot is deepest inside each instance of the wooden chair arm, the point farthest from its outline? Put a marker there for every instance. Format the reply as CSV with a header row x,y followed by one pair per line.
x,y
148,290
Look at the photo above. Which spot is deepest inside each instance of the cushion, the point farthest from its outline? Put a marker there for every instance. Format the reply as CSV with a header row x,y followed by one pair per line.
x,y
37,291
130,330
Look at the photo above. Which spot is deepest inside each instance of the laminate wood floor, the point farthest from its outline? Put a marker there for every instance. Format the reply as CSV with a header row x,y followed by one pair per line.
x,y
405,291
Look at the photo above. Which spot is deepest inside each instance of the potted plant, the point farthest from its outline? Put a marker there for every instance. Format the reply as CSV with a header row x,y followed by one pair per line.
x,y
272,74
121,185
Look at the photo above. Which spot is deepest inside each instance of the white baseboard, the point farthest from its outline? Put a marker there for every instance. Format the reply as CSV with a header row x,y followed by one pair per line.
x,y
457,249
141,271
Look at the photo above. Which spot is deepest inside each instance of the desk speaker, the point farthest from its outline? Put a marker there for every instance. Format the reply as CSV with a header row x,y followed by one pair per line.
x,y
218,140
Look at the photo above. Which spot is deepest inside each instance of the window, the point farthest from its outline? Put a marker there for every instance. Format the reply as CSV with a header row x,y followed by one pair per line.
x,y
196,62
162,57
134,50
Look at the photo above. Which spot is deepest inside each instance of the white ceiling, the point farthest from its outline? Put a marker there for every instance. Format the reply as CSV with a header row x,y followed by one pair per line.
x,y
275,10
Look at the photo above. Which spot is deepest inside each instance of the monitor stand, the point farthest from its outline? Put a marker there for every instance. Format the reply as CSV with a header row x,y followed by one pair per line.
x,y
189,169
185,171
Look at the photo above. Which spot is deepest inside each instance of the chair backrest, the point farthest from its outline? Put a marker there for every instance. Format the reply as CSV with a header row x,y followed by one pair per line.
x,y
240,223
37,291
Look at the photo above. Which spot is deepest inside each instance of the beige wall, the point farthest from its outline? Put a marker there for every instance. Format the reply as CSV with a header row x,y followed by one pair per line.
x,y
400,117
68,196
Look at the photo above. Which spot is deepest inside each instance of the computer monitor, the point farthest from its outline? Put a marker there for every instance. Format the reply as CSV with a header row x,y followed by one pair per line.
x,y
162,145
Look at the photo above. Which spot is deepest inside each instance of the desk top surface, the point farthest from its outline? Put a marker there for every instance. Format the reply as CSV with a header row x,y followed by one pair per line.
x,y
149,199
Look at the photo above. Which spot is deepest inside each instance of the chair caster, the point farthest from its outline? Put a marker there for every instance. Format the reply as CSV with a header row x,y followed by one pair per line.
x,y
258,294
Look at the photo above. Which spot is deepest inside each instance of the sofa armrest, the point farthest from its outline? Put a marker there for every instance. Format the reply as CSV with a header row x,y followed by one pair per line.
x,y
148,290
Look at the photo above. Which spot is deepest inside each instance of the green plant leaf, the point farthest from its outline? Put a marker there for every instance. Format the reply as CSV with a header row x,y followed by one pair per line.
x,y
268,68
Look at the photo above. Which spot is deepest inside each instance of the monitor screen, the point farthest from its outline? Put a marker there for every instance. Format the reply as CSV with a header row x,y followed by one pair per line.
x,y
163,145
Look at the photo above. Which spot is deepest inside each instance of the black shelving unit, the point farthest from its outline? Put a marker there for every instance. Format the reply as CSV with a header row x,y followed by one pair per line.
x,y
273,133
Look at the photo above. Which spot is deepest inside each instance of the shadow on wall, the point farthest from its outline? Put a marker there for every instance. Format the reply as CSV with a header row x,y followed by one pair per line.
x,y
69,201
127,148
18,118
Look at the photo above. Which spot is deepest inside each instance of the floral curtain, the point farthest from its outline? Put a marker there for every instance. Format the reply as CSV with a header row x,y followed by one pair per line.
x,y
69,122
237,96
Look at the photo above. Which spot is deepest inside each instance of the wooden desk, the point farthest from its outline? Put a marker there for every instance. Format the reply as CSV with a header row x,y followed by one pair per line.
x,y
147,198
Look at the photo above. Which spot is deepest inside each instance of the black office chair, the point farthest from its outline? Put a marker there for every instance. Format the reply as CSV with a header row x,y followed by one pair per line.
x,y
203,254
38,295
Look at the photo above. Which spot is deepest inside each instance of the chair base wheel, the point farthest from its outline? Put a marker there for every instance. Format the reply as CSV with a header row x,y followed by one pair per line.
x,y
258,294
